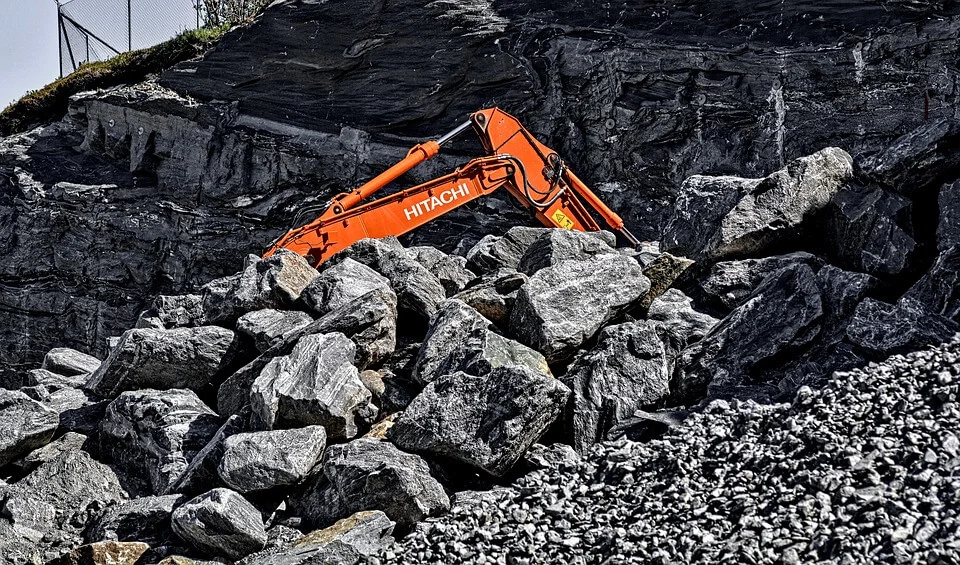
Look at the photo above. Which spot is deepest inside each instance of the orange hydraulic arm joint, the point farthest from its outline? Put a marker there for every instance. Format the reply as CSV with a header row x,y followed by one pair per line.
x,y
533,173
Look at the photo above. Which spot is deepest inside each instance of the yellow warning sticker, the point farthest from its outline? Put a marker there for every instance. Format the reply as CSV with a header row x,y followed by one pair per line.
x,y
562,220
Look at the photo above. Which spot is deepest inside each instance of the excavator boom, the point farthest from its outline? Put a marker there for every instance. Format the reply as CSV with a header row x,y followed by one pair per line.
x,y
533,173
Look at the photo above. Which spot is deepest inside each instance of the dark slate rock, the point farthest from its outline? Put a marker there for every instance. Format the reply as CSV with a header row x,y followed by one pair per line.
x,y
497,252
948,231
368,474
341,283
152,435
883,329
869,230
164,359
25,425
729,283
782,315
918,161
369,320
556,245
103,553
628,369
563,306
840,293
69,362
494,295
673,310
487,422
274,282
418,290
317,384
220,523
70,441
268,327
201,473
80,411
726,218
262,460
450,269
460,339
166,312
938,291
145,519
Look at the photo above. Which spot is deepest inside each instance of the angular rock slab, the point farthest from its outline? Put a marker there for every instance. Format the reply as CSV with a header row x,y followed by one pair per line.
x,y
782,314
497,252
674,313
69,362
274,282
883,329
367,474
938,291
563,306
68,442
263,460
25,425
729,283
487,422
201,473
341,283
267,327
103,553
451,270
164,359
220,523
915,162
709,223
145,519
628,369
317,384
460,339
557,244
494,295
152,435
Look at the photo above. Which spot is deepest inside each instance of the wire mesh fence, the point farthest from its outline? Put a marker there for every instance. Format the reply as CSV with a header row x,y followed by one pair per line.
x,y
95,30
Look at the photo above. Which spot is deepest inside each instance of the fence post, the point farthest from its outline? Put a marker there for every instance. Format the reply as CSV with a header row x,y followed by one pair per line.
x,y
129,28
60,39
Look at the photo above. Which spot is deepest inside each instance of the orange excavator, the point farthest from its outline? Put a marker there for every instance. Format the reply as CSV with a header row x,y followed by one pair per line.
x,y
532,172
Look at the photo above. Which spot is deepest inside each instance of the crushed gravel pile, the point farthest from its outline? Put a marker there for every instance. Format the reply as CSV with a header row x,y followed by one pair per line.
x,y
862,470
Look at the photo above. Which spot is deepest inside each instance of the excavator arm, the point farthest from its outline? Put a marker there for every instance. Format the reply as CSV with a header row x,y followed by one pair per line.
x,y
533,173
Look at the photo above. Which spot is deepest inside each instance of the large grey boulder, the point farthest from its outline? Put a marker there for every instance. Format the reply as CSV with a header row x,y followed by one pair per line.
x,y
346,542
782,315
451,270
173,312
145,519
721,218
25,425
948,230
729,283
274,282
628,369
556,245
564,305
368,474
341,283
938,291
53,381
70,441
263,460
487,422
268,327
919,160
220,523
69,362
460,339
418,290
316,384
883,329
164,359
152,435
80,411
370,321
494,295
497,252
201,473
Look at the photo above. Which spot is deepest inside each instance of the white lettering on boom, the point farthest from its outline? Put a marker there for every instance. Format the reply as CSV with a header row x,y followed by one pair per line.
x,y
432,202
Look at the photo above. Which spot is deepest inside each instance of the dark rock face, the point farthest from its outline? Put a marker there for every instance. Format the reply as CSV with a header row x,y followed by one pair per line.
x,y
164,359
173,312
628,369
674,312
220,523
749,215
729,283
918,161
368,474
152,435
487,422
502,252
201,473
263,460
25,425
948,232
564,305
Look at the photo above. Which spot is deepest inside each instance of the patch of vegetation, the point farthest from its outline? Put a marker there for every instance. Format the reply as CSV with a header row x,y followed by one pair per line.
x,y
50,102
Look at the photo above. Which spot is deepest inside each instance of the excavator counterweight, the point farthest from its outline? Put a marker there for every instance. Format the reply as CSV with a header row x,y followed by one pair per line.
x,y
532,172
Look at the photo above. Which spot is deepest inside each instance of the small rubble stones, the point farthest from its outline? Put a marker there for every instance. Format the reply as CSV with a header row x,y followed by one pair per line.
x,y
487,422
25,425
220,523
263,460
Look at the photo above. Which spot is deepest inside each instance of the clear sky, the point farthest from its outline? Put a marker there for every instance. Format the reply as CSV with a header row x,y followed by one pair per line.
x,y
28,47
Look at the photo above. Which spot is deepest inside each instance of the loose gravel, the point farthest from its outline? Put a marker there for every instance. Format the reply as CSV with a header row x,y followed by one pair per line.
x,y
865,469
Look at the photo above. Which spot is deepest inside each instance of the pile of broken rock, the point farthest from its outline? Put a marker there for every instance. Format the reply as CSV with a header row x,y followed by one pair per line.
x,y
290,415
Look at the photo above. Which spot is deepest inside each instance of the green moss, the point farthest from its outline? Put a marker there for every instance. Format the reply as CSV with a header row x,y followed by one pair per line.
x,y
50,102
